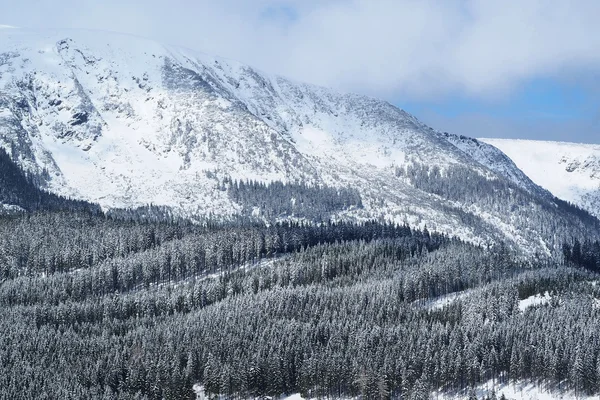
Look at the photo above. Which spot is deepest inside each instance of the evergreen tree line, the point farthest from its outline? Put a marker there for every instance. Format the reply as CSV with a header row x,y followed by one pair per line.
x,y
140,304
330,310
277,199
135,257
555,220
583,254
146,214
47,243
22,190
44,243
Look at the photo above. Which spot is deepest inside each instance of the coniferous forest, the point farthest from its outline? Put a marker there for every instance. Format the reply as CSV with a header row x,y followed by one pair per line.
x,y
136,304
95,306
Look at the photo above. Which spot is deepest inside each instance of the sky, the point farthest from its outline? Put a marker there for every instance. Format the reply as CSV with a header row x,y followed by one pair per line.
x,y
514,68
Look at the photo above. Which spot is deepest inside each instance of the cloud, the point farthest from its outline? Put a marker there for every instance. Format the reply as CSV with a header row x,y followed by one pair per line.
x,y
431,48
584,130
391,48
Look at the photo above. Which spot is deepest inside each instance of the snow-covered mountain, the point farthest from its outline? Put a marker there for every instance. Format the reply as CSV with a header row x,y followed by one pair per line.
x,y
570,171
124,122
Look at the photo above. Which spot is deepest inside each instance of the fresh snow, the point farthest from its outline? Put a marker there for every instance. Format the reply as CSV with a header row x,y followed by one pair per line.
x,y
534,301
570,171
443,301
512,391
125,122
516,391
201,395
10,209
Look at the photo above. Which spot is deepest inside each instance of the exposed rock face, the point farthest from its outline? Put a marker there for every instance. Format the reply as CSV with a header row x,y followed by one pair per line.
x,y
126,122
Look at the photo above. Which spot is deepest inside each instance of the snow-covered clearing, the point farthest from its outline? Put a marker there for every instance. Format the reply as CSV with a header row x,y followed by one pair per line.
x,y
534,301
442,301
517,391
201,395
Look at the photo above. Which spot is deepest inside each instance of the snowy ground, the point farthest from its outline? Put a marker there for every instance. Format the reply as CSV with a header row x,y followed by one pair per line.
x,y
570,171
200,395
442,301
519,391
10,209
534,301
166,126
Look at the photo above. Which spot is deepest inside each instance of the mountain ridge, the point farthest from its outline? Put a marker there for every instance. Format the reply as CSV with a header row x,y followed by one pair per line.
x,y
125,122
571,171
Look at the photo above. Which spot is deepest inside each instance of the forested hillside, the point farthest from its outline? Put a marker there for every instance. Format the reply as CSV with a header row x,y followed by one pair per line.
x,y
22,192
276,199
95,306
260,237
558,220
126,122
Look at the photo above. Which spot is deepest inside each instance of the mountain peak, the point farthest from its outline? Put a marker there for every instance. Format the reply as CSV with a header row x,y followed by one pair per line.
x,y
124,122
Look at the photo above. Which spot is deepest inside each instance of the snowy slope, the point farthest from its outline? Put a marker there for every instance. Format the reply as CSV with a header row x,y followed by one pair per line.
x,y
570,171
124,122
496,160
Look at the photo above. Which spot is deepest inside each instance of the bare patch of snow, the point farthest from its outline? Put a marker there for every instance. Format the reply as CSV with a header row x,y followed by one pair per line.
x,y
443,301
10,209
534,301
516,391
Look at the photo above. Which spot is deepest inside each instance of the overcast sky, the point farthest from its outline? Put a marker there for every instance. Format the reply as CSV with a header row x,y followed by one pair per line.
x,y
483,68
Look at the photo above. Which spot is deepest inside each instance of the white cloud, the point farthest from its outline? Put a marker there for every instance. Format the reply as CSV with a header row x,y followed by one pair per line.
x,y
393,48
